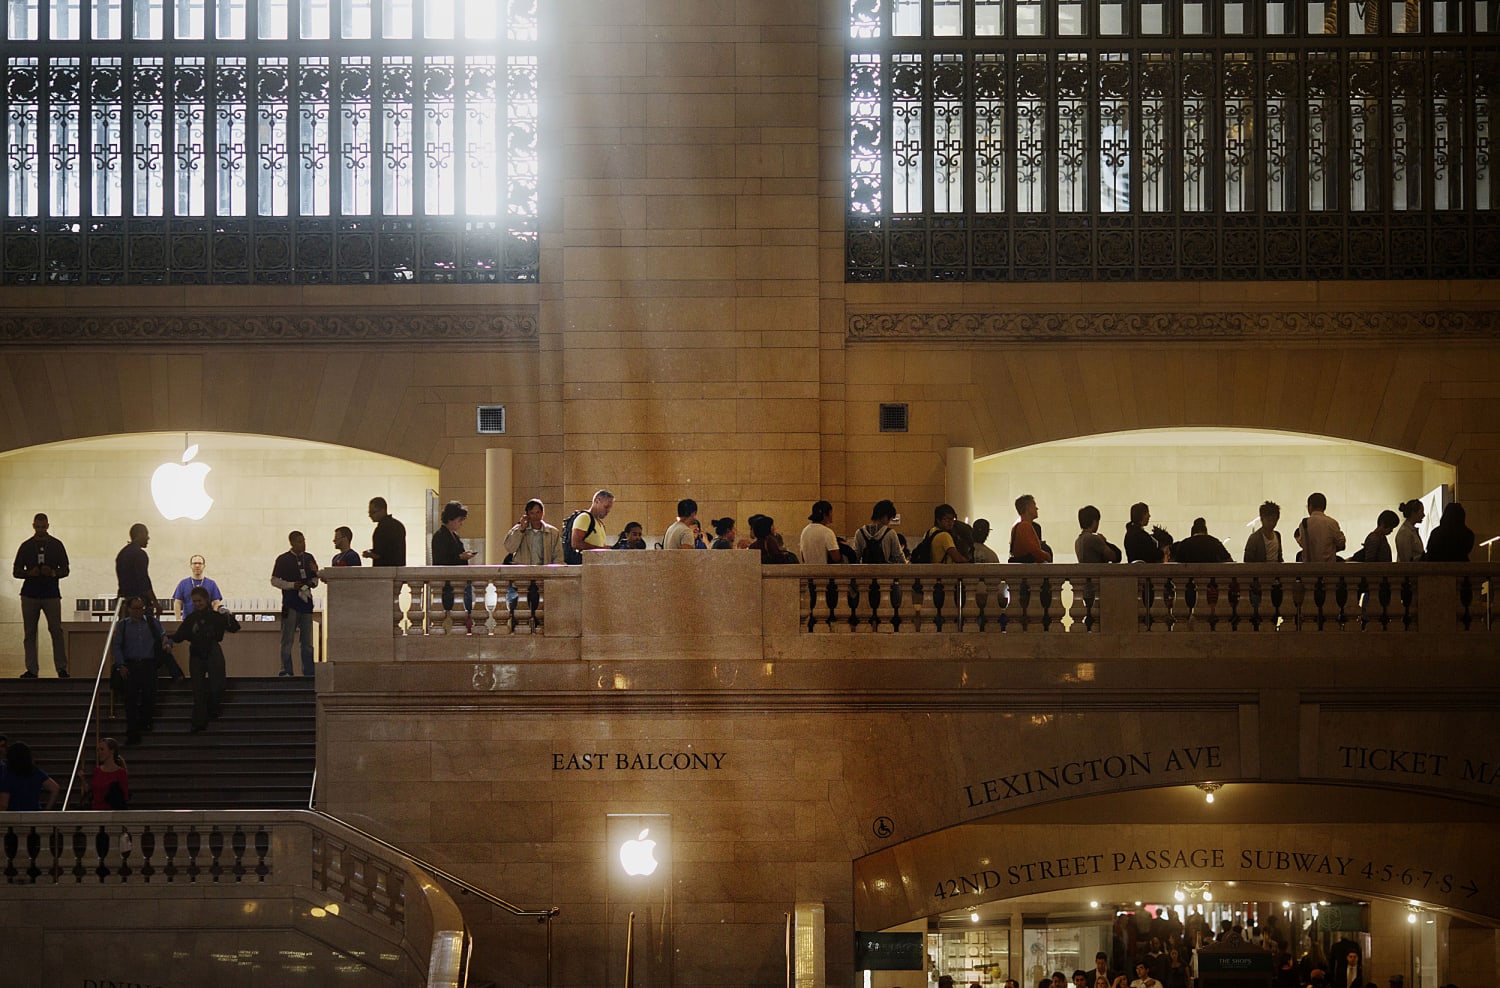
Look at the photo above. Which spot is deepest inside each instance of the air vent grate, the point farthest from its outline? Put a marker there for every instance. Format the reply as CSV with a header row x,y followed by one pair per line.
x,y
893,418
491,420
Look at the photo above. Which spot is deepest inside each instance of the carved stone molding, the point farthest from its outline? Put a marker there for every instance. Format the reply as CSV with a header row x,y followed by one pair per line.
x,y
500,325
1102,327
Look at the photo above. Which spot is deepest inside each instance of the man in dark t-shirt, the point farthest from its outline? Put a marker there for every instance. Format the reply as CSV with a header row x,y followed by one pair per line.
x,y
388,543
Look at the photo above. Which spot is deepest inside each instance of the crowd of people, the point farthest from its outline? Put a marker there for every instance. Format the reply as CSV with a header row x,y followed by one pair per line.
x,y
1319,537
1163,953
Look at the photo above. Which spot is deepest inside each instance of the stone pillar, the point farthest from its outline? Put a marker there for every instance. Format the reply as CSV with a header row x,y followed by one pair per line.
x,y
960,485
499,505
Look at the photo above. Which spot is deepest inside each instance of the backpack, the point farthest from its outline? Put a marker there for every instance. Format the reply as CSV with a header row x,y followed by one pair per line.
x,y
923,552
874,550
572,556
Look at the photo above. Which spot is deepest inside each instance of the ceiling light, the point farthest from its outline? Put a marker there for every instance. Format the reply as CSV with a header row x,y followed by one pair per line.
x,y
1209,788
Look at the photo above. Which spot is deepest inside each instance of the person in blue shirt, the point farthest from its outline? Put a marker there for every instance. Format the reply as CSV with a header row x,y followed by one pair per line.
x,y
343,537
22,783
137,642
184,592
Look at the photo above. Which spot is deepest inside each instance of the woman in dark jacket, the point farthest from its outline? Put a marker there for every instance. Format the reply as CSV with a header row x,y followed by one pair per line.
x,y
1140,546
768,541
1452,540
204,631
448,550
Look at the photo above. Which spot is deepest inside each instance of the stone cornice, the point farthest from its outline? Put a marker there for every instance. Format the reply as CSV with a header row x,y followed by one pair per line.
x,y
502,325
1108,327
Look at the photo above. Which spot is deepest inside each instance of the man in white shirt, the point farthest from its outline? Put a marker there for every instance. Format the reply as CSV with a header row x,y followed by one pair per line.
x,y
1143,978
1319,535
819,544
982,552
680,532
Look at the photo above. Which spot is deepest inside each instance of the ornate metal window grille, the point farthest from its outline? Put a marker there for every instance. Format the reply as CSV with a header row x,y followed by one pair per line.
x,y
1049,140
268,141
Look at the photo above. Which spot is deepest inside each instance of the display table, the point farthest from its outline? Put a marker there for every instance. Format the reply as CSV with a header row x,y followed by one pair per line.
x,y
255,650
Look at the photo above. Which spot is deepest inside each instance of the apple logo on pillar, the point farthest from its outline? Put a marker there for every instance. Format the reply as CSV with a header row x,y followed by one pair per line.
x,y
638,857
177,488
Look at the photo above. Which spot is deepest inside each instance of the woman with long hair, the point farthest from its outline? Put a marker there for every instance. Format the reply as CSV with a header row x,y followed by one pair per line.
x,y
109,785
22,783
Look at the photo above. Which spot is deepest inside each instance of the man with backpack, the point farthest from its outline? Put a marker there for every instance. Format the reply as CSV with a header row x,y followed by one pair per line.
x,y
938,546
877,542
585,529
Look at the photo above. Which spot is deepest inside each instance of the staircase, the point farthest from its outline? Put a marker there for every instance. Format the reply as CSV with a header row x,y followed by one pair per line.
x,y
259,754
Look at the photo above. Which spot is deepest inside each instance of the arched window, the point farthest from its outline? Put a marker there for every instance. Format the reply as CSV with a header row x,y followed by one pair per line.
x,y
1172,139
269,141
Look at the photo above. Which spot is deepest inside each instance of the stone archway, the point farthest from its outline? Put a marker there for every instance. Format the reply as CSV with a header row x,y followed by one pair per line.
x,y
1315,836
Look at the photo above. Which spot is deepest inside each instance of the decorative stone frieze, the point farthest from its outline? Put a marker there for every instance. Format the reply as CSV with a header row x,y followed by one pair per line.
x,y
1032,327
506,325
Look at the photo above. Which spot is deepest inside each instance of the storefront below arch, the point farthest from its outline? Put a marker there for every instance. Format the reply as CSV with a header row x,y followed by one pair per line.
x,y
1023,894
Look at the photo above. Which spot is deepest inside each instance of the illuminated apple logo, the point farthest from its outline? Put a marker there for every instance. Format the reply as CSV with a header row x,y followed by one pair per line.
x,y
638,857
177,488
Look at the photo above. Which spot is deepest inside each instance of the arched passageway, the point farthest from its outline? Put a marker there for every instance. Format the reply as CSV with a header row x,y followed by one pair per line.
x,y
1221,475
1405,876
261,487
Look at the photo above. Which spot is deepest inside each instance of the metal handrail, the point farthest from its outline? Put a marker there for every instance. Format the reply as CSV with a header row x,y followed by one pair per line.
x,y
83,735
546,915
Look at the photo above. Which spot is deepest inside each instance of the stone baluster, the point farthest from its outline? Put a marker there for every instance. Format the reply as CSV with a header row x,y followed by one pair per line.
x,y
804,604
967,612
843,595
883,594
237,845
126,846
80,845
416,608
148,851
1341,600
33,852
169,846
101,851
215,854
262,850
194,848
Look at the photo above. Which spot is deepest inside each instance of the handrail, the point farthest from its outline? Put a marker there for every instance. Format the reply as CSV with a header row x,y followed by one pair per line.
x,y
83,735
546,915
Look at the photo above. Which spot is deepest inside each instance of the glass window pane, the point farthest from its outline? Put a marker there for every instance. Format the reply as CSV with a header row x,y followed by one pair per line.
x,y
908,18
396,19
65,24
22,20
315,19
271,19
105,22
148,19
1111,17
355,18
187,18
480,20
229,19
988,18
1029,18
440,19
231,116
1070,18
947,18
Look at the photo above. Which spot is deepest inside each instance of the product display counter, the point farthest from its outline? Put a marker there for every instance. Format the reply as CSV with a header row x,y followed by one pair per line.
x,y
254,651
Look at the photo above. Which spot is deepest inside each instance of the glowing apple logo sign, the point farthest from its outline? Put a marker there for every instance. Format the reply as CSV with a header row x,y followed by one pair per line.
x,y
177,488
638,857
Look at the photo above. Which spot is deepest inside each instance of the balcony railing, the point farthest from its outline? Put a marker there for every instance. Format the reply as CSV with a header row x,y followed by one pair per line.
x,y
97,863
612,605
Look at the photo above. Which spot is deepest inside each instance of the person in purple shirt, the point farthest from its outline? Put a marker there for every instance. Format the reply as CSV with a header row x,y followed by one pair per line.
x,y
40,563
22,783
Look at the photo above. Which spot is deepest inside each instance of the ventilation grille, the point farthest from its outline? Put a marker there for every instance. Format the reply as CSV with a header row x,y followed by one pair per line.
x,y
491,420
893,418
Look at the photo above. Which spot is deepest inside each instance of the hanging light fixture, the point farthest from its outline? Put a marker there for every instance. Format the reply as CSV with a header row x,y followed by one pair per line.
x,y
1209,788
